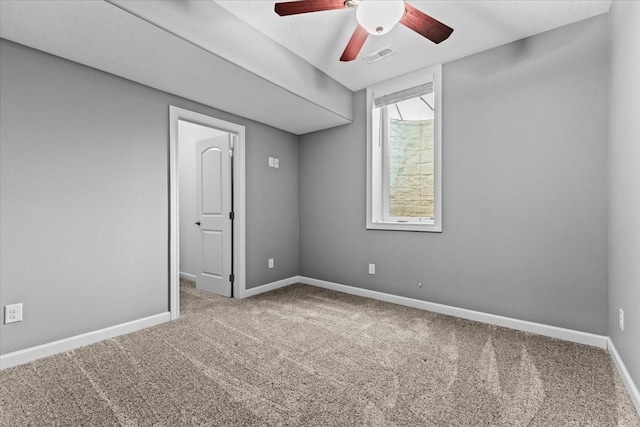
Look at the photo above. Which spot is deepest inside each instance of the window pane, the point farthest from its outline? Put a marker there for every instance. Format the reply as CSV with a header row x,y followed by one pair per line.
x,y
411,158
403,153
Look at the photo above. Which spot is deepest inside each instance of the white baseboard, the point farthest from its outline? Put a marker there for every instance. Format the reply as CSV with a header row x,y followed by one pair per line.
x,y
270,286
187,276
30,354
626,377
492,319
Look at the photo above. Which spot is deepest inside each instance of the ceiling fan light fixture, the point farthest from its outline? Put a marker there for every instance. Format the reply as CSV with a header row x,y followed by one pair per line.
x,y
379,16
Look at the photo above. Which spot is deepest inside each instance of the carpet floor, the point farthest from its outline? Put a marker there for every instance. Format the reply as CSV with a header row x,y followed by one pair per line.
x,y
304,356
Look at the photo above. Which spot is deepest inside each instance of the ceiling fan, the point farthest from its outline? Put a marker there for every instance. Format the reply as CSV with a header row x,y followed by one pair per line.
x,y
375,17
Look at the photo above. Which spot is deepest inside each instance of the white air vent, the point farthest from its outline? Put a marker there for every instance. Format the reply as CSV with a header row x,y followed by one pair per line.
x,y
377,56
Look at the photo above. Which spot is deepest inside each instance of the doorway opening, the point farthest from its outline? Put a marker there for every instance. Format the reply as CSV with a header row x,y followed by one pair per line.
x,y
206,205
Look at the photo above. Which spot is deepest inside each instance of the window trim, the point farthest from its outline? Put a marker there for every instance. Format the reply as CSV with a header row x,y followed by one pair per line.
x,y
375,197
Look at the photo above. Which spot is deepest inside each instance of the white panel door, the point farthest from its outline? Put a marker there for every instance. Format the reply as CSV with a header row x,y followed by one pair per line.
x,y
213,208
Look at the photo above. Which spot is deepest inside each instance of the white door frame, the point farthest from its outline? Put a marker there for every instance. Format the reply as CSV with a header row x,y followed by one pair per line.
x,y
239,226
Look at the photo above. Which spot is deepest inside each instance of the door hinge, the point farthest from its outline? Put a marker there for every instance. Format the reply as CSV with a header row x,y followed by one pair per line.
x,y
232,278
232,215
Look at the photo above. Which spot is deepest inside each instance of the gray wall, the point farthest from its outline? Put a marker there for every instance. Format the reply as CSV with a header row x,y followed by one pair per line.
x,y
84,197
190,240
524,181
272,207
624,184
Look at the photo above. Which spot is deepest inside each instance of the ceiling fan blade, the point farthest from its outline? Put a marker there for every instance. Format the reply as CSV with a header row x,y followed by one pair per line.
x,y
355,44
306,6
425,25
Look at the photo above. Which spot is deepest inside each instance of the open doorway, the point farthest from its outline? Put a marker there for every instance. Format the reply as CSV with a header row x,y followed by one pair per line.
x,y
206,205
204,208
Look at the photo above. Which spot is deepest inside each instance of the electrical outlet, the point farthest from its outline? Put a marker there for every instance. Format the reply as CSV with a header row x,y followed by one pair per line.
x,y
276,162
372,269
621,320
13,313
271,263
270,162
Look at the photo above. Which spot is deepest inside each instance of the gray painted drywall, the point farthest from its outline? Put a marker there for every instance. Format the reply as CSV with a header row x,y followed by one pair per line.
x,y
624,181
253,52
84,197
272,207
190,241
105,37
524,181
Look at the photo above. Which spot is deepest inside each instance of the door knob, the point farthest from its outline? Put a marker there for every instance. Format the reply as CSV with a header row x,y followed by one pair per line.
x,y
197,222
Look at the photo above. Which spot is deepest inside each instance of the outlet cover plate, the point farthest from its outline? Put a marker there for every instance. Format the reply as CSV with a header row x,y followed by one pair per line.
x,y
13,313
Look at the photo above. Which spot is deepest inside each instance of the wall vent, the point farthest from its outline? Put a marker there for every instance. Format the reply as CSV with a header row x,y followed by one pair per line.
x,y
377,56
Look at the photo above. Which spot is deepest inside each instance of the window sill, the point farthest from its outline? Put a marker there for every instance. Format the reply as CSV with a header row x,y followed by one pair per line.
x,y
405,226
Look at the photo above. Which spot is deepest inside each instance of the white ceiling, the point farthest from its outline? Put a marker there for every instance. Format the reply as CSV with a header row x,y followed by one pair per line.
x,y
321,37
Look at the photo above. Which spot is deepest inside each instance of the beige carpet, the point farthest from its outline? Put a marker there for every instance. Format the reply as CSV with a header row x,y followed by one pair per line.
x,y
303,356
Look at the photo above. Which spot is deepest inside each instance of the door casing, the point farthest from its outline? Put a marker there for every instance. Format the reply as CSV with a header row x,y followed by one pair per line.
x,y
239,203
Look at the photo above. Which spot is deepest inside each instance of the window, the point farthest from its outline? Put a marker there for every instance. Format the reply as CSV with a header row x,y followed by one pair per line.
x,y
404,153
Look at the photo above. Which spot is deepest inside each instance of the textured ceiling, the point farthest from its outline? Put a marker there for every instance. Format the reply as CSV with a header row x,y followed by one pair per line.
x,y
321,37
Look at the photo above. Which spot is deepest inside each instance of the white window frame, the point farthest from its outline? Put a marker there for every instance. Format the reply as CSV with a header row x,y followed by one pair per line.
x,y
377,197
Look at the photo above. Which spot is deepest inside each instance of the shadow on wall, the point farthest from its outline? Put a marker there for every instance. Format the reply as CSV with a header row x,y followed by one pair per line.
x,y
517,53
